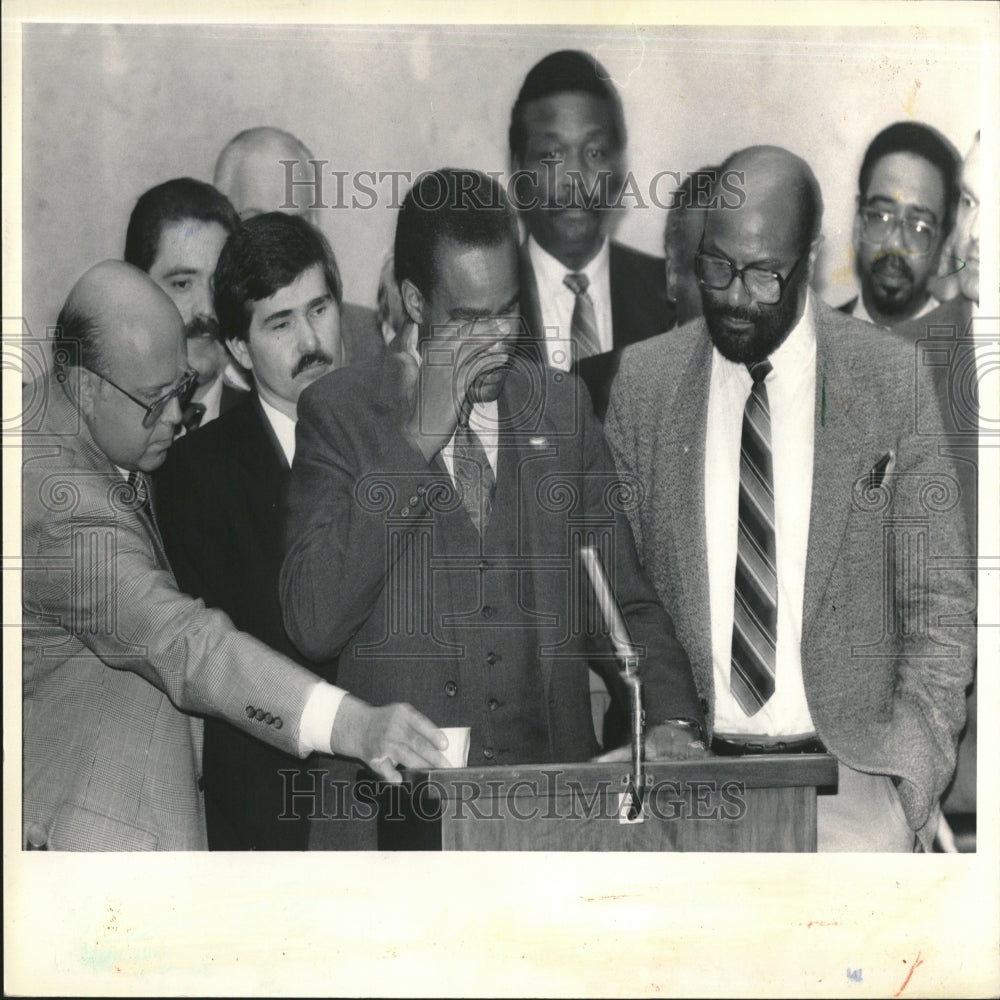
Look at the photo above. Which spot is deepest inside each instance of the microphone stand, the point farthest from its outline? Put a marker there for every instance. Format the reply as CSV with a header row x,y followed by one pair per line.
x,y
629,658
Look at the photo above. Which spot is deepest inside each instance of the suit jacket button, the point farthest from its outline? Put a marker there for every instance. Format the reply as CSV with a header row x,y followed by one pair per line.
x,y
250,711
491,658
414,500
277,722
451,689
492,704
268,718
259,714
488,611
483,565
488,753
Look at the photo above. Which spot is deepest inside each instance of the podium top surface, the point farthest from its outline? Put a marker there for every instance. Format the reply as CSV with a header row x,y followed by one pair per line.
x,y
752,771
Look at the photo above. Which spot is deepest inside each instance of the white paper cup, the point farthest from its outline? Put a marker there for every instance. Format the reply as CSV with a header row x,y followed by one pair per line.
x,y
458,745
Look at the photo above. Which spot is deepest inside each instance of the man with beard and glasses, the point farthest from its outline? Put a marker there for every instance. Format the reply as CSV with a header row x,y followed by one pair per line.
x,y
219,495
175,234
907,193
584,296
434,502
789,460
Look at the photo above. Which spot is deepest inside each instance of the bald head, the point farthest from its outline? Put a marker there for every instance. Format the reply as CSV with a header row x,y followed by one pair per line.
x,y
126,337
250,171
781,188
757,255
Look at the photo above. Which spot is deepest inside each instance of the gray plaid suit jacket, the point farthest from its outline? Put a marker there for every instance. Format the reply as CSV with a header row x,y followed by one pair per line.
x,y
887,638
117,662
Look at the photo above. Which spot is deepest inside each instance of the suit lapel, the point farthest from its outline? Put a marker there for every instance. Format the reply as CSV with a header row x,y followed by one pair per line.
x,y
682,481
531,311
842,430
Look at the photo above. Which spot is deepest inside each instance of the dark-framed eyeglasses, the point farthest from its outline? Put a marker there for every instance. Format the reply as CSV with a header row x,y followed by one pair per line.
x,y
879,224
182,392
763,286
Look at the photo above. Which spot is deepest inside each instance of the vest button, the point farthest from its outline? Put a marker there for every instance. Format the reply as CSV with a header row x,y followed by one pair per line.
x,y
492,704
488,753
488,611
451,689
483,564
491,658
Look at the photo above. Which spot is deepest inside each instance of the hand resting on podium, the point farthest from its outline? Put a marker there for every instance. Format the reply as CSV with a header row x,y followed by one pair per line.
x,y
675,740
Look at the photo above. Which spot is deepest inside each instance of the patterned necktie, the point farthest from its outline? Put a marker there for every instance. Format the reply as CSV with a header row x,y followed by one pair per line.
x,y
583,327
755,615
139,483
474,476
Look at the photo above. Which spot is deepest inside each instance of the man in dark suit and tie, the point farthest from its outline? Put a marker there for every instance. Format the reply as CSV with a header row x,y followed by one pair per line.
x,y
120,665
175,234
266,169
438,501
798,522
221,491
583,296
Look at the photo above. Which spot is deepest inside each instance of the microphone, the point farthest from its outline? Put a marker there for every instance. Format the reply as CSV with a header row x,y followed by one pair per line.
x,y
626,652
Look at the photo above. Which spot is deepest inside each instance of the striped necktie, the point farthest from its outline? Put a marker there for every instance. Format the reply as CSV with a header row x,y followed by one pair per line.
x,y
755,615
583,326
474,476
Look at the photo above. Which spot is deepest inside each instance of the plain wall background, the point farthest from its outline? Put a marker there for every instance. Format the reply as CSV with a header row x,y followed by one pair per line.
x,y
109,111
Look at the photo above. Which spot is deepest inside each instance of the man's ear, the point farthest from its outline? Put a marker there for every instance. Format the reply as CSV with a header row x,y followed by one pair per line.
x,y
671,271
814,249
413,301
86,388
856,227
238,349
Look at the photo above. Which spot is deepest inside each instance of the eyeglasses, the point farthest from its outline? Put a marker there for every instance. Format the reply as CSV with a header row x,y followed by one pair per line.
x,y
878,225
763,286
182,392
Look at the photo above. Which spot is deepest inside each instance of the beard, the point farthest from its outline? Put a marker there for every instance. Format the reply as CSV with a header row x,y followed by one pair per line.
x,y
747,334
892,284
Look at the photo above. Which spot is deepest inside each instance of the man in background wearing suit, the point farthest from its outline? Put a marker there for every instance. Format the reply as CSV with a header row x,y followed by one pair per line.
x,y
435,504
585,296
220,496
788,479
907,192
175,234
254,170
118,663
945,344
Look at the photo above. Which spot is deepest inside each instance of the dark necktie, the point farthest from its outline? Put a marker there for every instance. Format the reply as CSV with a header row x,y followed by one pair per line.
x,y
192,416
755,615
474,476
583,326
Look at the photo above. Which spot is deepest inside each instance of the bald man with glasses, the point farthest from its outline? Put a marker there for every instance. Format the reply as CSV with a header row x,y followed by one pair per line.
x,y
119,666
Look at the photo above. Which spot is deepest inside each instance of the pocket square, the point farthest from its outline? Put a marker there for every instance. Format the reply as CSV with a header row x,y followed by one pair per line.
x,y
881,469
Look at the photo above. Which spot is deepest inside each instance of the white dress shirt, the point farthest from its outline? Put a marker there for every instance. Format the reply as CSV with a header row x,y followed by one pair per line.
x,y
283,427
791,393
556,301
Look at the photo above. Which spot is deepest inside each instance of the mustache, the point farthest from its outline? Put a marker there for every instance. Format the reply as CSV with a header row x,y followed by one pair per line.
x,y
201,325
893,263
310,359
744,314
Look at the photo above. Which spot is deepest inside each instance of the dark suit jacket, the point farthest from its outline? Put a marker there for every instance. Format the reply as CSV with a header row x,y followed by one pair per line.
x,y
360,333
117,660
639,309
884,678
944,345
370,520
219,499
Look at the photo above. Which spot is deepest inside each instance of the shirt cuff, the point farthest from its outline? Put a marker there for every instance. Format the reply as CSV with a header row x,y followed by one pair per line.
x,y
317,718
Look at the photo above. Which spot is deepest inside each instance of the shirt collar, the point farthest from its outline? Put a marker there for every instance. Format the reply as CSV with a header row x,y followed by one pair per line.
x,y
549,272
283,426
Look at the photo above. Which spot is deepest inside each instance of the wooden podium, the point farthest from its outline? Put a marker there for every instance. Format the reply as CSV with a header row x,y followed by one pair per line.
x,y
754,803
